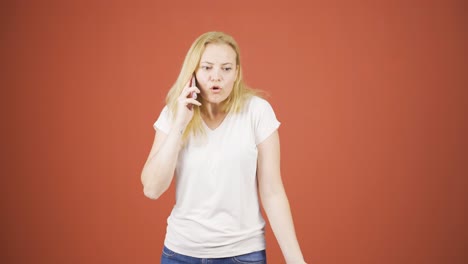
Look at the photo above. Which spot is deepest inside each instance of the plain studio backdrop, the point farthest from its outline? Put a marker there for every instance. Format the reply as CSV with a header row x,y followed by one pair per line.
x,y
372,98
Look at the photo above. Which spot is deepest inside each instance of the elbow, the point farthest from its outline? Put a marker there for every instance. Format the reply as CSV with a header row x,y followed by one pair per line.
x,y
153,190
153,187
151,193
273,195
150,190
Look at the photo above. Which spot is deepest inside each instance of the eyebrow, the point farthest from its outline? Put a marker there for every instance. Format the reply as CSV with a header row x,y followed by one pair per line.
x,y
213,63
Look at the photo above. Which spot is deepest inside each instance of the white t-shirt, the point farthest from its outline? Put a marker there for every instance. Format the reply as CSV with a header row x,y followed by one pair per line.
x,y
217,211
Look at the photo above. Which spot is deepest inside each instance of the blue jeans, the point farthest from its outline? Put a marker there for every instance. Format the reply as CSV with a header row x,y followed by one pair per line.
x,y
170,257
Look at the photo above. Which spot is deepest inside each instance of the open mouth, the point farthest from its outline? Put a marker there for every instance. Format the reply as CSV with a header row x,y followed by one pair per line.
x,y
215,88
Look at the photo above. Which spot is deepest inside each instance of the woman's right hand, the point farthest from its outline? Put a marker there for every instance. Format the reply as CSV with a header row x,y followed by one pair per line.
x,y
185,104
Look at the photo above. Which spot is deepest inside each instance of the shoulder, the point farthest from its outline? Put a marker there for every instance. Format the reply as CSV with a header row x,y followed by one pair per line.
x,y
259,108
165,112
165,109
256,103
164,120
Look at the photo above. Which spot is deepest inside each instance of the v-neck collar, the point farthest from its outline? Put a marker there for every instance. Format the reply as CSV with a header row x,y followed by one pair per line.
x,y
219,126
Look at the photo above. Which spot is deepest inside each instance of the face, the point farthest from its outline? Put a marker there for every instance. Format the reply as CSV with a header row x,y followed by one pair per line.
x,y
216,73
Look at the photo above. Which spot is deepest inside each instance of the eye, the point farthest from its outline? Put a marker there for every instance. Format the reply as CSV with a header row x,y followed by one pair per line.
x,y
227,69
206,68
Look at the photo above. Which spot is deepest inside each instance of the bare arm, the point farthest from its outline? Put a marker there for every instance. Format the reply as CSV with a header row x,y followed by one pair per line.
x,y
274,199
159,168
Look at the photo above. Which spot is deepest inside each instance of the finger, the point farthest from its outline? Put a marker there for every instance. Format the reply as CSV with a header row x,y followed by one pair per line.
x,y
194,93
192,81
191,101
189,90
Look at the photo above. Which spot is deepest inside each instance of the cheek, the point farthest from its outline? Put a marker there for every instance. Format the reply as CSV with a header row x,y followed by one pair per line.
x,y
201,80
231,81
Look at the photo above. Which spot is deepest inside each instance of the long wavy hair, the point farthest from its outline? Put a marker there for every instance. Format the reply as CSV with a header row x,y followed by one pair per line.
x,y
235,101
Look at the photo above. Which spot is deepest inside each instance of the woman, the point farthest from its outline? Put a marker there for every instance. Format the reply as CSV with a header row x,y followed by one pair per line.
x,y
219,139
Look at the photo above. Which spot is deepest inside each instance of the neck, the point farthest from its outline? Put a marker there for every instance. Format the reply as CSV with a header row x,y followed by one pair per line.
x,y
213,111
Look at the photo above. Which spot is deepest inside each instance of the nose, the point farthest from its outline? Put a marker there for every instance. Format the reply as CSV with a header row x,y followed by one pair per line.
x,y
216,74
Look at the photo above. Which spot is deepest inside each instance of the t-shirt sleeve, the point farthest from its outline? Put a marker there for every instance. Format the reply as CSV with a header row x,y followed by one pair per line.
x,y
164,121
265,121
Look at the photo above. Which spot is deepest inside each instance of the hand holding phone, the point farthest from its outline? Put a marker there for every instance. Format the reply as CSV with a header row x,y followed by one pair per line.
x,y
193,82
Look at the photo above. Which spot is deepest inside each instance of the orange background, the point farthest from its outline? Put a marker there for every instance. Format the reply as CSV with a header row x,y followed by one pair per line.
x,y
371,95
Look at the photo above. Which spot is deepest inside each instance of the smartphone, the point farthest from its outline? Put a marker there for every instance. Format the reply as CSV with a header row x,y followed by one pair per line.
x,y
193,82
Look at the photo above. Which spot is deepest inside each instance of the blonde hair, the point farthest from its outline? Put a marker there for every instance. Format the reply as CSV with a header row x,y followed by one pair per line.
x,y
235,101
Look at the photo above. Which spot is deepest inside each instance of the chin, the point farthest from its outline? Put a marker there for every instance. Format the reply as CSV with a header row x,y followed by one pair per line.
x,y
215,99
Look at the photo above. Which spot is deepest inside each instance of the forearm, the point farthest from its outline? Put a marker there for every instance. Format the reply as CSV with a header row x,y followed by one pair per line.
x,y
279,215
159,169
